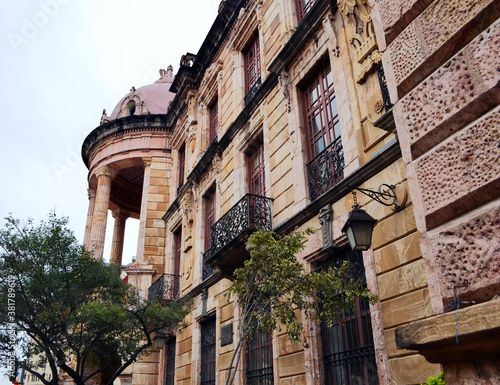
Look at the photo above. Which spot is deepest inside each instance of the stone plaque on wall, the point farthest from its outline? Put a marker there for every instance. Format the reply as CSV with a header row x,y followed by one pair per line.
x,y
226,334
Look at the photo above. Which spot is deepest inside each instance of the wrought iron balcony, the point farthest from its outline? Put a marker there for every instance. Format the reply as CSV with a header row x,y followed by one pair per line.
x,y
326,169
383,88
166,288
253,90
230,232
207,270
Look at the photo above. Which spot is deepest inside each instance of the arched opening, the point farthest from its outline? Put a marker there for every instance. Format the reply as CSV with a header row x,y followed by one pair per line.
x,y
131,108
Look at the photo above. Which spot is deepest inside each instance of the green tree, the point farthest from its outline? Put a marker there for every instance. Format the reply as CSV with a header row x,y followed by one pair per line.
x,y
273,286
61,306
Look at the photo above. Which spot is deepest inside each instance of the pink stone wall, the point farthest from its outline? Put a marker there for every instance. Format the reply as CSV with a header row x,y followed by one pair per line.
x,y
456,94
467,250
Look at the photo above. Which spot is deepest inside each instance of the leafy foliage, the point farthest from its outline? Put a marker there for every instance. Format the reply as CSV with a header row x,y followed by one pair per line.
x,y
71,310
273,286
439,380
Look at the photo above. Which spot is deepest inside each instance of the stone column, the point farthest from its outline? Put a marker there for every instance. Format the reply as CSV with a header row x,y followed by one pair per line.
x,y
100,216
144,209
118,235
90,215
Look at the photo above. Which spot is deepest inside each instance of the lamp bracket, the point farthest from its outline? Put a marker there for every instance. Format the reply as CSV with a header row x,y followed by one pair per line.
x,y
386,194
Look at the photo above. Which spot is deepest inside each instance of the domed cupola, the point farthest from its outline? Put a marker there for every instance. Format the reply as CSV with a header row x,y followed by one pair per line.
x,y
151,99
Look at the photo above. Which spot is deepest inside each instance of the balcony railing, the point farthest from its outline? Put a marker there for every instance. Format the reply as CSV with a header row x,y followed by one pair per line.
x,y
252,212
253,90
165,289
326,169
207,270
383,88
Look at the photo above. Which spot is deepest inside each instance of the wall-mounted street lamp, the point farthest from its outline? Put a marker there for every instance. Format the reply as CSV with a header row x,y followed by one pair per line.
x,y
160,339
359,225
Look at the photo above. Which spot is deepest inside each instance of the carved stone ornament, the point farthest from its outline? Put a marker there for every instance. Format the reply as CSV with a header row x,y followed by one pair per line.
x,y
360,34
104,118
284,80
187,209
326,219
346,6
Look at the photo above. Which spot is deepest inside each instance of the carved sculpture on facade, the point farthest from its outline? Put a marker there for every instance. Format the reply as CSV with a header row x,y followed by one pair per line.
x,y
325,219
284,80
361,35
104,118
187,210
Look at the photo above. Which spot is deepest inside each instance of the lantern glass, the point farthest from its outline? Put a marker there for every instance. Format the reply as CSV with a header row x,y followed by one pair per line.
x,y
359,229
160,339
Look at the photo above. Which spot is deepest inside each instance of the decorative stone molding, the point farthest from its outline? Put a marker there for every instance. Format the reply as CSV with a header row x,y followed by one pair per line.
x,y
187,210
284,81
360,34
326,219
104,118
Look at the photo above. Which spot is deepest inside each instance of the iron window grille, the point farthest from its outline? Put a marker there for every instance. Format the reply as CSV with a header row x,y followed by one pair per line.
x,y
303,7
252,212
348,347
326,167
170,367
209,221
260,359
326,170
166,288
208,352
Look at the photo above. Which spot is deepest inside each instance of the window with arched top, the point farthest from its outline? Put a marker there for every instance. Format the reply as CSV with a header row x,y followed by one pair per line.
x,y
131,108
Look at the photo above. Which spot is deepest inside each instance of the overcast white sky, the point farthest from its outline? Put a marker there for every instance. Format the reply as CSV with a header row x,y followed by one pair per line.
x,y
61,63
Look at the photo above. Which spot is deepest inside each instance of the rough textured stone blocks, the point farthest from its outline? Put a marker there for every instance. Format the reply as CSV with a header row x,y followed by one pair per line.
x,y
456,94
461,173
442,29
466,251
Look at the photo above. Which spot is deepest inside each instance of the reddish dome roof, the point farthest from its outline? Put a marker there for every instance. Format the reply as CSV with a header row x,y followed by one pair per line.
x,y
151,99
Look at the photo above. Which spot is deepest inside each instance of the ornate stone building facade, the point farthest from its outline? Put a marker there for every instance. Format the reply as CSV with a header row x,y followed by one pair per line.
x,y
281,113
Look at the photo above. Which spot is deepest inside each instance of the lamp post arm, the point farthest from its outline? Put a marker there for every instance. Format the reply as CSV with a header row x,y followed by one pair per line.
x,y
386,194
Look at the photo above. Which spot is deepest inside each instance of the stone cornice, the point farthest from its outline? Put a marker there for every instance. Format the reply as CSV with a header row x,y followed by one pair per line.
x,y
192,75
119,127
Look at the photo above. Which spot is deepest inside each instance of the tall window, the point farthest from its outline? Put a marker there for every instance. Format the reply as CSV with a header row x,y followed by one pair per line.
x,y
326,167
182,164
170,368
348,349
260,359
252,64
303,7
177,251
209,216
208,352
256,171
214,120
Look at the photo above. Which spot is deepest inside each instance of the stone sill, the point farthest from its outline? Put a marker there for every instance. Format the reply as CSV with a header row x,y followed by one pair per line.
x,y
435,337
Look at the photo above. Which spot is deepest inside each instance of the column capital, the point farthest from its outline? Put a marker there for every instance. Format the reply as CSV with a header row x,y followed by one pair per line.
x,y
105,171
120,213
146,161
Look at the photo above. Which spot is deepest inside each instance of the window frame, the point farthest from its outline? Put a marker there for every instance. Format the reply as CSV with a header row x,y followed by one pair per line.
x,y
213,121
257,173
252,62
169,360
354,345
208,351
182,164
261,372
303,7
